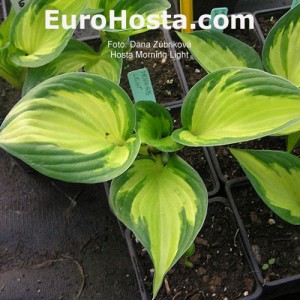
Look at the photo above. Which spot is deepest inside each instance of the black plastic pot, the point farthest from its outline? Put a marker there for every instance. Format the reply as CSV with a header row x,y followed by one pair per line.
x,y
205,6
177,66
169,64
185,67
5,8
288,287
217,165
255,5
140,273
94,41
272,15
214,178
228,168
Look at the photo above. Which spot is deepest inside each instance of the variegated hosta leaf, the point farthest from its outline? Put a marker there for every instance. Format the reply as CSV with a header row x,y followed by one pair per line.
x,y
132,7
293,141
235,105
164,205
107,63
94,4
36,45
155,125
93,7
215,50
5,29
75,127
74,57
9,71
281,53
275,176
289,130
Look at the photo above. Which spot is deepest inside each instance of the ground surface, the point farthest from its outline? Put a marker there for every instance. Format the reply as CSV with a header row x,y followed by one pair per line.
x,y
51,248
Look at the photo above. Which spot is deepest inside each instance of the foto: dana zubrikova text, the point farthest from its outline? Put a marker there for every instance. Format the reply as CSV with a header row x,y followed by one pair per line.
x,y
55,20
159,50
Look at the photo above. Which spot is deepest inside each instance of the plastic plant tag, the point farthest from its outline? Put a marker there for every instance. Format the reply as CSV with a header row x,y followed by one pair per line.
x,y
141,86
18,4
294,3
216,12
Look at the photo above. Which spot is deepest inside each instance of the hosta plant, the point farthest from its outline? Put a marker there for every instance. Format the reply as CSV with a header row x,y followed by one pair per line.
x,y
274,175
80,127
30,53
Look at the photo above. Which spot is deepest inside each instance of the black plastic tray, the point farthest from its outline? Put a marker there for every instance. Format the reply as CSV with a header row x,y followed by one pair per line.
x,y
255,5
287,287
178,65
145,295
279,11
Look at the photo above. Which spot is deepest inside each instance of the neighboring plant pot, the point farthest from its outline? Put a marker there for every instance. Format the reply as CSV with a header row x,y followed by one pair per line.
x,y
210,280
166,81
266,19
177,65
5,8
247,35
205,6
156,58
228,168
189,69
261,229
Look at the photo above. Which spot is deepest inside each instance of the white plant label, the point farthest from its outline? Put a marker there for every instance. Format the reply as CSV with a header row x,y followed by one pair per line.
x,y
295,3
18,4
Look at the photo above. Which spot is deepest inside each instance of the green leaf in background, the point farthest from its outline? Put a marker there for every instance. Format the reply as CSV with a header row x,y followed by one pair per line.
x,y
75,127
293,141
9,71
235,105
275,176
155,125
74,57
132,7
281,52
36,45
215,50
164,205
